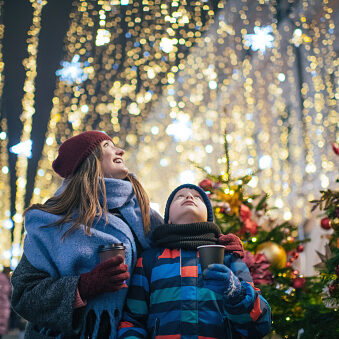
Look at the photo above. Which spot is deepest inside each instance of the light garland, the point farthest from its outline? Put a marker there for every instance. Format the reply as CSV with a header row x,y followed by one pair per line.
x,y
26,119
269,97
6,223
125,76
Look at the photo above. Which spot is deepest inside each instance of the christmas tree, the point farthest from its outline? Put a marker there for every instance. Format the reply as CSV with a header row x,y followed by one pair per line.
x,y
302,307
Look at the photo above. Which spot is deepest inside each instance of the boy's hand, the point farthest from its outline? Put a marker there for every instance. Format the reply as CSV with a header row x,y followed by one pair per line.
x,y
220,279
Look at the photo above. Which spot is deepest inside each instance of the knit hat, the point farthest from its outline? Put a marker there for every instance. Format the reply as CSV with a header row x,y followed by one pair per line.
x,y
75,150
200,191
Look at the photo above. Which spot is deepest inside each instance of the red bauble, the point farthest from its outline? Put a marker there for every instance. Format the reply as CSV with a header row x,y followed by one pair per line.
x,y
299,282
206,184
335,148
325,223
300,248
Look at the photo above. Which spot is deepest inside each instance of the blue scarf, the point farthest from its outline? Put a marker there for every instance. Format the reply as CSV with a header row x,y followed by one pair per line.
x,y
77,253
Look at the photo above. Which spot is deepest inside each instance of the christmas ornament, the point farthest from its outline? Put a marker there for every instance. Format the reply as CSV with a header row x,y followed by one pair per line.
x,y
324,258
206,184
274,253
335,148
231,198
327,295
325,223
335,224
300,248
299,282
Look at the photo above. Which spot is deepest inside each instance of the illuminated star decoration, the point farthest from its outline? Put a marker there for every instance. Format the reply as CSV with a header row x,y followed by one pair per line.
x,y
261,39
72,71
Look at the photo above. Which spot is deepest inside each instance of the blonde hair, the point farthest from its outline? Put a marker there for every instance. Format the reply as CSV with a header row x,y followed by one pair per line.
x,y
82,194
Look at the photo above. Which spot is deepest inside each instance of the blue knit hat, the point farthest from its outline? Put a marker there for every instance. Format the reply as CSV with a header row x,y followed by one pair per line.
x,y
200,191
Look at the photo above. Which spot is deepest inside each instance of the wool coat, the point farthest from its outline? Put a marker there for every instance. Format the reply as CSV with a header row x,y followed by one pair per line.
x,y
45,281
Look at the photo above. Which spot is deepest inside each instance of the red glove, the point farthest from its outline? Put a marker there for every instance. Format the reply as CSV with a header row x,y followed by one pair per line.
x,y
108,276
232,243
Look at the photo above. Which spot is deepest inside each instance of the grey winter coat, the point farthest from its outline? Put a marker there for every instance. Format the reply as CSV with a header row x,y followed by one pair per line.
x,y
45,302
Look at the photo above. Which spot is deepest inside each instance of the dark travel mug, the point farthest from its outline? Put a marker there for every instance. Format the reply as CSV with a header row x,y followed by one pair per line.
x,y
109,251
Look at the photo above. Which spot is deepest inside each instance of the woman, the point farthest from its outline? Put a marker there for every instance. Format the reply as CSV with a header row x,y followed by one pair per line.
x,y
59,285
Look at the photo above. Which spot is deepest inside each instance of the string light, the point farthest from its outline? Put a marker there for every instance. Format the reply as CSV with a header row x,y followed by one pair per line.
x,y
131,72
6,224
259,108
26,118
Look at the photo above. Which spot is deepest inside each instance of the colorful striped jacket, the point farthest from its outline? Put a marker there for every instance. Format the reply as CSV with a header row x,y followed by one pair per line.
x,y
167,299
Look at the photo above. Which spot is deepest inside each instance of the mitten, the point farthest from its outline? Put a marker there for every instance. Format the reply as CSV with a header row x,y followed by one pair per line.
x,y
220,279
232,244
108,276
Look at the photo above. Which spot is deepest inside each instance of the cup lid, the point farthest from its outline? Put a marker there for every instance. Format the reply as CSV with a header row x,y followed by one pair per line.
x,y
202,246
109,247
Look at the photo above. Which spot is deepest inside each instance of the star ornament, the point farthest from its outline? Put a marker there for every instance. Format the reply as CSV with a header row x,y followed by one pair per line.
x,y
324,258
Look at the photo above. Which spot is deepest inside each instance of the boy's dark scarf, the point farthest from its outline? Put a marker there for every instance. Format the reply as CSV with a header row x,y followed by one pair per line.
x,y
186,236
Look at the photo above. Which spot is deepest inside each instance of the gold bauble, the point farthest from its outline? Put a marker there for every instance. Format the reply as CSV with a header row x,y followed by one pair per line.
x,y
274,253
334,223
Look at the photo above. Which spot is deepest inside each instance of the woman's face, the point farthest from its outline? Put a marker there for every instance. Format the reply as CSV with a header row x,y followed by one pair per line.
x,y
112,163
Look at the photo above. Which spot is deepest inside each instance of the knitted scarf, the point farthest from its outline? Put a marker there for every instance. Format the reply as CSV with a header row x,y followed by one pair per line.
x,y
186,236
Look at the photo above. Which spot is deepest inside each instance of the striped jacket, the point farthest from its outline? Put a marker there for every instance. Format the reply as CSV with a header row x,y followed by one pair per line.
x,y
167,300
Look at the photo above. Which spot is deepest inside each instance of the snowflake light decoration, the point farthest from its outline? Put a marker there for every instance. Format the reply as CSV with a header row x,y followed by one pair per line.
x,y
23,149
72,71
180,130
261,39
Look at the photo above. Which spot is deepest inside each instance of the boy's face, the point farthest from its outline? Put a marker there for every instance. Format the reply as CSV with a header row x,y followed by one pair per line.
x,y
187,207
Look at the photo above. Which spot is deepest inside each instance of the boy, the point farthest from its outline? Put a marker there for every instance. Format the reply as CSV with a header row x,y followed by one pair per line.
x,y
169,296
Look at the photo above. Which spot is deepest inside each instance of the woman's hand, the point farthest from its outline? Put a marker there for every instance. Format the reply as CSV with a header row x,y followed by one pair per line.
x,y
108,276
232,243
